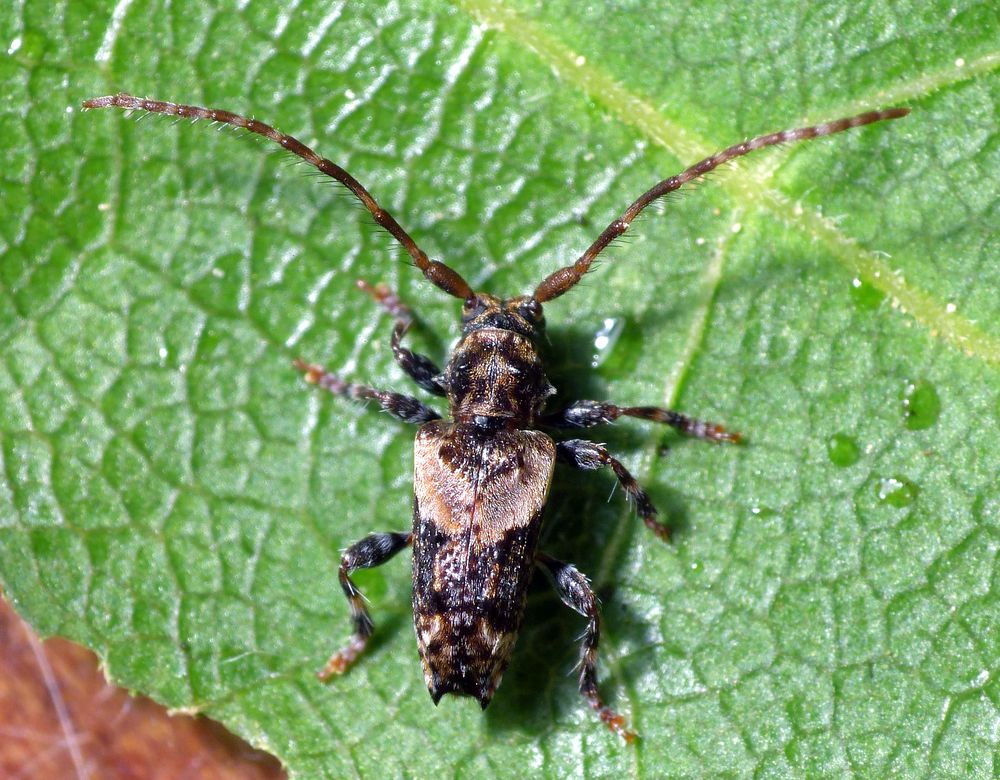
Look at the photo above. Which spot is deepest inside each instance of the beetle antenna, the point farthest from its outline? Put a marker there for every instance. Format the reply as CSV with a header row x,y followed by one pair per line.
x,y
562,280
438,273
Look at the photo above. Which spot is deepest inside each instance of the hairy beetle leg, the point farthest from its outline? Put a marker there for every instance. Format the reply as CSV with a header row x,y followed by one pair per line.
x,y
588,455
575,591
405,407
587,414
420,368
373,550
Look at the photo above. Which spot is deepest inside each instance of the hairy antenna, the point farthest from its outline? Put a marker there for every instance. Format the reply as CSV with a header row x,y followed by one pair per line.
x,y
438,273
562,280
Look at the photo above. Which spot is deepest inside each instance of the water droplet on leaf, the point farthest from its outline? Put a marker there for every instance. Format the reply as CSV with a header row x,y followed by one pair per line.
x,y
866,296
896,491
842,450
921,405
605,339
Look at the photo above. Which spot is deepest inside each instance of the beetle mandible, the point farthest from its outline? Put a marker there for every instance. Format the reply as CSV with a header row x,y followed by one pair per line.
x,y
481,478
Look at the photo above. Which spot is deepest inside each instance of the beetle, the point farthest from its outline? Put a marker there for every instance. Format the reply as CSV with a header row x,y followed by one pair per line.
x,y
482,476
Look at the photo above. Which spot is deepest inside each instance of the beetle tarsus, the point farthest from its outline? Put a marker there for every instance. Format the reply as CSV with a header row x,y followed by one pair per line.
x,y
575,592
420,368
373,550
404,407
587,414
589,455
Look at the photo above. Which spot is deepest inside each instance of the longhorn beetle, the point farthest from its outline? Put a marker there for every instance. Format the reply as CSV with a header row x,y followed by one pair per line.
x,y
481,478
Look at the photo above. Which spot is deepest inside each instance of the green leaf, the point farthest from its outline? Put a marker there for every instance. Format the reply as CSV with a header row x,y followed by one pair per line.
x,y
174,497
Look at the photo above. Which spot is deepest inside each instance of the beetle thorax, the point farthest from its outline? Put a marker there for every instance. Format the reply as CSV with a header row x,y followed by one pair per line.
x,y
495,379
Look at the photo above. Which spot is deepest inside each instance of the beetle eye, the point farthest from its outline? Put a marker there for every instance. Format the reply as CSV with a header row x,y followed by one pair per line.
x,y
531,310
471,309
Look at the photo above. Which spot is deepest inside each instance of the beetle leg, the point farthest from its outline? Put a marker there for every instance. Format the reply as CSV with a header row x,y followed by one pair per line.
x,y
589,455
575,591
373,550
587,414
405,407
420,368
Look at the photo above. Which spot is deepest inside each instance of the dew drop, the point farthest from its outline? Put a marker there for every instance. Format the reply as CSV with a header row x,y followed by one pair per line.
x,y
605,339
842,450
921,405
896,491
866,296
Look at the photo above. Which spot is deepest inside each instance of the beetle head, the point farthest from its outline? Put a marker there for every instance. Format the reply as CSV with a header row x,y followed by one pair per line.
x,y
522,314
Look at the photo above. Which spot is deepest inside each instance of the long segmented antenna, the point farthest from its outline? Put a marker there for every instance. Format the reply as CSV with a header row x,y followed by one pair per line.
x,y
438,273
562,280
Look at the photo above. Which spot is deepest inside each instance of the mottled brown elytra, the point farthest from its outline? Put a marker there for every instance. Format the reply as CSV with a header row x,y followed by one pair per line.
x,y
481,478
